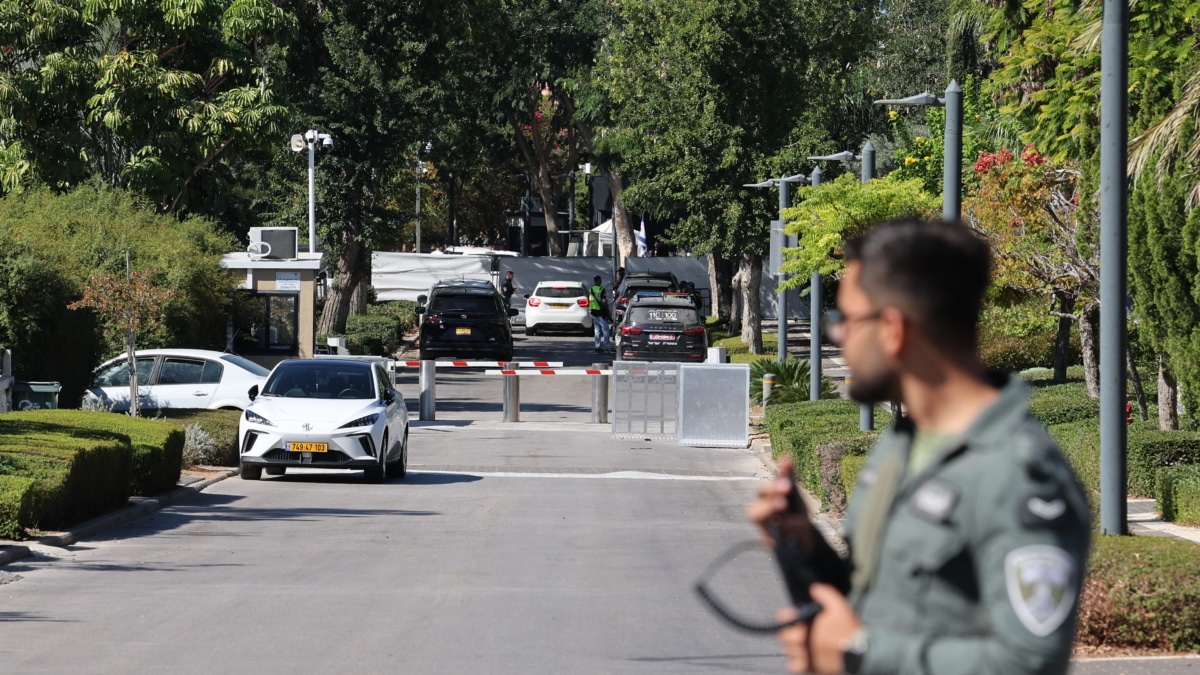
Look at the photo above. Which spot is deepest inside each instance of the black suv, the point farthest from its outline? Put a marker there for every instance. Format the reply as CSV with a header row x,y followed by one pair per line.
x,y
633,284
465,318
662,328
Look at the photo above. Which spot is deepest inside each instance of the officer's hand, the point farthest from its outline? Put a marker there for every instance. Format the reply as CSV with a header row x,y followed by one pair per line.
x,y
771,508
817,648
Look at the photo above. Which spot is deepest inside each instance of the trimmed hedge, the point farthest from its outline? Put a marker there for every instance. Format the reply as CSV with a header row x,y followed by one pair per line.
x,y
1143,593
851,465
1063,404
16,505
799,429
157,445
1080,443
1178,494
1150,451
376,335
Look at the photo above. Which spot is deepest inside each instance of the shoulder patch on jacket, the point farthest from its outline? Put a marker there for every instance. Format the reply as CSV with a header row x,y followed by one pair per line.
x,y
1042,582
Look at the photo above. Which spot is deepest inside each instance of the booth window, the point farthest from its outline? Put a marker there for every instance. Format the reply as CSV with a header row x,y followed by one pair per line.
x,y
268,324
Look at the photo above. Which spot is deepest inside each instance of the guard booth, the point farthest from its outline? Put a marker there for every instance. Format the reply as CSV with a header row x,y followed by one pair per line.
x,y
274,316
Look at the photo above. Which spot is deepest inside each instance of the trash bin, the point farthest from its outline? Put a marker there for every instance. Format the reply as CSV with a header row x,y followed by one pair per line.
x,y
35,395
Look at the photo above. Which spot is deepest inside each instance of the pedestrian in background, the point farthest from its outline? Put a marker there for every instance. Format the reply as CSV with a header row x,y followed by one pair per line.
x,y
598,304
968,532
507,289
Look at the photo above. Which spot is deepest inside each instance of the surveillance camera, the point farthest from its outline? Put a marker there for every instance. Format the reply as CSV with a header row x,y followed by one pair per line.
x,y
327,140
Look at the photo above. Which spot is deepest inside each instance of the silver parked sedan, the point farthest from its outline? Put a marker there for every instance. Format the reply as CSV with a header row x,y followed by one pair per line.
x,y
176,378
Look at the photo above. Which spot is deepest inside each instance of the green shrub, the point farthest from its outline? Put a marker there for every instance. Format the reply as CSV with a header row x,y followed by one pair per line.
x,y
792,380
1019,336
851,465
1063,404
1080,443
377,335
404,311
157,444
1150,451
798,430
16,505
1178,494
221,425
1142,593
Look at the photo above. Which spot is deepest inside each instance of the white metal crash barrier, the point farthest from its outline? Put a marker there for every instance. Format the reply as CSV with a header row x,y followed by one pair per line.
x,y
645,401
512,388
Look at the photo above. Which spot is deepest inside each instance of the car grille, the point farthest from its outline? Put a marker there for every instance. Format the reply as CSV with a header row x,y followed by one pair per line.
x,y
331,457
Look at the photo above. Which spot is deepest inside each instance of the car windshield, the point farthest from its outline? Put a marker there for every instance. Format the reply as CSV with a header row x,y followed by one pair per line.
x,y
246,364
560,292
683,316
321,380
470,304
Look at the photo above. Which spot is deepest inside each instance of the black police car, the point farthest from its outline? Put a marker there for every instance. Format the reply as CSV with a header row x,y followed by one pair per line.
x,y
463,319
634,284
661,327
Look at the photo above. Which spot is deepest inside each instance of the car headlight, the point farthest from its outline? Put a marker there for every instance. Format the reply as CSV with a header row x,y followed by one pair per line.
x,y
254,418
364,421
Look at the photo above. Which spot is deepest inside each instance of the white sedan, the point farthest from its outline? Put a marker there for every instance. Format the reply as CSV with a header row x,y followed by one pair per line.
x,y
558,304
176,378
325,414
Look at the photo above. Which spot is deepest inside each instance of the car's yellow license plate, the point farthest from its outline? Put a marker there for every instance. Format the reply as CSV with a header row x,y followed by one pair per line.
x,y
559,305
308,447
462,331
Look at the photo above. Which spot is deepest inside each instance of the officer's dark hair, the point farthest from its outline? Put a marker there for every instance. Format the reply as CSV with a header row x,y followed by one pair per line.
x,y
933,271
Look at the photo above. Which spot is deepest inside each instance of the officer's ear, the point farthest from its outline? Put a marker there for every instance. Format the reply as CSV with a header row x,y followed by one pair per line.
x,y
895,331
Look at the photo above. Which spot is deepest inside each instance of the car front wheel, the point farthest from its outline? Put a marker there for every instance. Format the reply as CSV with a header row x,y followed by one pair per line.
x,y
400,468
378,473
251,472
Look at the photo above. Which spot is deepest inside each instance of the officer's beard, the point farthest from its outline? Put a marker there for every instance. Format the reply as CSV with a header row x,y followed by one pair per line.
x,y
875,387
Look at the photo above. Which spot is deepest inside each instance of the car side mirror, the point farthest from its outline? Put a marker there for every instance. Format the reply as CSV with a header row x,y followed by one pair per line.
x,y
253,393
421,299
526,295
389,396
420,310
514,312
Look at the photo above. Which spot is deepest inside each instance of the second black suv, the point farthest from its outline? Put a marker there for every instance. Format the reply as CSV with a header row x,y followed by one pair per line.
x,y
634,284
465,318
662,328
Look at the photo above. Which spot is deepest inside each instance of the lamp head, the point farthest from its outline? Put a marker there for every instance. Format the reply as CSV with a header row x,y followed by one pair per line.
x,y
926,100
844,156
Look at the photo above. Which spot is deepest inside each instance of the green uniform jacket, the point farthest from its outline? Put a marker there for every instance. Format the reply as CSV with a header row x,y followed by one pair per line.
x,y
982,553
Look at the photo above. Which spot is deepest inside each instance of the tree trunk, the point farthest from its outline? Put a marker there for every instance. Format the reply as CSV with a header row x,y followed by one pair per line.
x,y
130,347
1062,341
1138,391
1168,393
751,274
720,282
362,290
1089,336
736,302
548,190
346,278
622,223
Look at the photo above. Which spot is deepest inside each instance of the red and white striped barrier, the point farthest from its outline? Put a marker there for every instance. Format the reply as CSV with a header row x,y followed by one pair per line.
x,y
550,371
481,364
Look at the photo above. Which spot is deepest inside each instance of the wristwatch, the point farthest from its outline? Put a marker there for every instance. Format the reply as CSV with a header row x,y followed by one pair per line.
x,y
853,651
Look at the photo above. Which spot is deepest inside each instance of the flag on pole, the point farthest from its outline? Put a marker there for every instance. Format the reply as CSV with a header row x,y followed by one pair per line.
x,y
642,248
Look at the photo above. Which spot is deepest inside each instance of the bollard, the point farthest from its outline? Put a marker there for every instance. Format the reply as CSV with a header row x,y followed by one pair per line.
x,y
768,385
717,355
512,395
600,395
428,397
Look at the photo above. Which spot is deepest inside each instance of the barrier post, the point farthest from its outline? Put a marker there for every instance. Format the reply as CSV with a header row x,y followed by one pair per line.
x,y
428,396
512,395
768,381
600,395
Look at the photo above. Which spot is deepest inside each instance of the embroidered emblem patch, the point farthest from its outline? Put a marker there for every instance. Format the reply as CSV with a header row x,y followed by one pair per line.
x,y
935,500
1042,585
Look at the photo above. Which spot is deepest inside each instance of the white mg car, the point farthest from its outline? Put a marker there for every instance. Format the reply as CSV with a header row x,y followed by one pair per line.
x,y
325,414
559,305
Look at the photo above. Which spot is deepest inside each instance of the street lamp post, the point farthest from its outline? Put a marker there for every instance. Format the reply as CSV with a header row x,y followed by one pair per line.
x,y
783,184
309,140
866,411
952,146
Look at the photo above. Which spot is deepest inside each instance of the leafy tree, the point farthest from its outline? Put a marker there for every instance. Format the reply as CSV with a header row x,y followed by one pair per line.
x,y
126,305
150,96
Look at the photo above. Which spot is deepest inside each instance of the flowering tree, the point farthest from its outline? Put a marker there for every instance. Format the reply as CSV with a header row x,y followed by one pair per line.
x,y
126,304
1043,242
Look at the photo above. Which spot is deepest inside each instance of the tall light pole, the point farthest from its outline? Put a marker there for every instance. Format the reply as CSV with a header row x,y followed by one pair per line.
x,y
421,168
1114,249
866,411
309,140
782,183
952,146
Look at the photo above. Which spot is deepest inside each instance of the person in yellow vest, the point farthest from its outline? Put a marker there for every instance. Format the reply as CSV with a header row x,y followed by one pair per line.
x,y
968,531
598,304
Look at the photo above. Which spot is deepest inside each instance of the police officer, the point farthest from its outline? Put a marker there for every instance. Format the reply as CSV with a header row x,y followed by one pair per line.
x,y
968,531
598,305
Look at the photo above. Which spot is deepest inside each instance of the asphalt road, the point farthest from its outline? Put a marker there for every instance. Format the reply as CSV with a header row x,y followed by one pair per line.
x,y
543,547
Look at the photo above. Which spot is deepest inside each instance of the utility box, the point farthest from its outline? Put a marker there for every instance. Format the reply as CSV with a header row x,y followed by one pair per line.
x,y
35,395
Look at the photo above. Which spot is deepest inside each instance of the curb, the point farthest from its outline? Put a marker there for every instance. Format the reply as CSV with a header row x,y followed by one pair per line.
x,y
137,509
